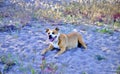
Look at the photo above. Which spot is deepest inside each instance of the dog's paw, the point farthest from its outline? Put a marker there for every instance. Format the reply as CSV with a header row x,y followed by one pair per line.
x,y
43,52
56,56
85,47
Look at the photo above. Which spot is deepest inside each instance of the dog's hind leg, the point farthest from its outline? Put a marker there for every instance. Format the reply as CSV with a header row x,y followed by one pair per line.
x,y
80,42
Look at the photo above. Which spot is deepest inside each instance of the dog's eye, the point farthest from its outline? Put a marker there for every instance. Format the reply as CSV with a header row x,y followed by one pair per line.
x,y
48,33
53,33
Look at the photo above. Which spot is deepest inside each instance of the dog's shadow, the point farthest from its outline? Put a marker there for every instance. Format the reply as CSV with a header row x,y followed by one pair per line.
x,y
56,49
70,51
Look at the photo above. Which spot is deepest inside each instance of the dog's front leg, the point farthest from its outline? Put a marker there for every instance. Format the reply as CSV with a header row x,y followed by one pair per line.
x,y
47,49
62,49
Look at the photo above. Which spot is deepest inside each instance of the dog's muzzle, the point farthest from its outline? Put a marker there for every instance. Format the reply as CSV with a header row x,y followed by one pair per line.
x,y
52,38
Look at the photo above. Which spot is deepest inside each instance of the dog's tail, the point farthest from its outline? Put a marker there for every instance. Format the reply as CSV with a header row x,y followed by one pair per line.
x,y
75,30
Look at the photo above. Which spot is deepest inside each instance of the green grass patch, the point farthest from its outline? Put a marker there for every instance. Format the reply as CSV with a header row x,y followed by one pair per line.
x,y
105,30
33,71
118,70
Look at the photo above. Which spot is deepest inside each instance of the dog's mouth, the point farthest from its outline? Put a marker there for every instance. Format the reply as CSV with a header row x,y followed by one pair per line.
x,y
52,39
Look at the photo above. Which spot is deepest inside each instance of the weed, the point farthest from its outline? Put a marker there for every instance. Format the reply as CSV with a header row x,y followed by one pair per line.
x,y
105,30
3,59
118,70
21,68
99,57
72,12
84,72
33,71
0,72
43,65
7,61
48,67
116,25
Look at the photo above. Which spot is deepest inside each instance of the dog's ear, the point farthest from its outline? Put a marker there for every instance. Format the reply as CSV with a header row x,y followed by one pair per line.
x,y
47,30
57,29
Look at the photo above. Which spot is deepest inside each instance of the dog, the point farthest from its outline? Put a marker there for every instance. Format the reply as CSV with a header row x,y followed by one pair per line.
x,y
63,41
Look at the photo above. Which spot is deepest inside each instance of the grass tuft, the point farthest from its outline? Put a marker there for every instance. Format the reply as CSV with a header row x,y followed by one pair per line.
x,y
118,70
99,57
105,30
48,67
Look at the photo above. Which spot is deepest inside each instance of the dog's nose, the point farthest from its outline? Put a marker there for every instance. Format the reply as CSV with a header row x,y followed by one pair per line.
x,y
50,36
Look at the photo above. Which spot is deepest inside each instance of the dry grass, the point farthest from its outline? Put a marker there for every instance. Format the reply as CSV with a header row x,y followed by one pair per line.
x,y
73,12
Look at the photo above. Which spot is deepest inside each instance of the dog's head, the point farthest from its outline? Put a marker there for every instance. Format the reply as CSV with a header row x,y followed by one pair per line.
x,y
52,34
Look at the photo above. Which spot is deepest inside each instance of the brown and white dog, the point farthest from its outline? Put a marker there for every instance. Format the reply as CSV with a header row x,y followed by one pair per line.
x,y
63,41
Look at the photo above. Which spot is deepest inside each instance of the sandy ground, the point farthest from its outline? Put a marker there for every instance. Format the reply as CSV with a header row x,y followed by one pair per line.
x,y
23,48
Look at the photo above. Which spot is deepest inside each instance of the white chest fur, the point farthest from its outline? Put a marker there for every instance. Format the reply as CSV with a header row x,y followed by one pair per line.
x,y
55,44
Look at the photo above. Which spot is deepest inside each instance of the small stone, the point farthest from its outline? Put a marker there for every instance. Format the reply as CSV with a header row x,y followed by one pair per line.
x,y
108,51
104,48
